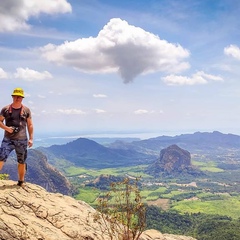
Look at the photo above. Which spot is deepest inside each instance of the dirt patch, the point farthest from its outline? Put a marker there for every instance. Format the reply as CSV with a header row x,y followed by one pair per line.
x,y
160,202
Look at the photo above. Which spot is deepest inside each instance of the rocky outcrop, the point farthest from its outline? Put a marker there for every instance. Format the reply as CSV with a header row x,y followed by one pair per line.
x,y
32,213
174,161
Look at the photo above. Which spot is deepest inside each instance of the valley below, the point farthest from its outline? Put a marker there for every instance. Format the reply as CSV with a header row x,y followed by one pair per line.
x,y
215,191
190,183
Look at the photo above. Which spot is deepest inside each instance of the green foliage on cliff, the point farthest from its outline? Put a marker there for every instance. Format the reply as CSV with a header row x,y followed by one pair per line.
x,y
122,211
4,176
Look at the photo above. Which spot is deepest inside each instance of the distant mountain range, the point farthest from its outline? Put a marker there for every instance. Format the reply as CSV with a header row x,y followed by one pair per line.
x,y
88,153
198,141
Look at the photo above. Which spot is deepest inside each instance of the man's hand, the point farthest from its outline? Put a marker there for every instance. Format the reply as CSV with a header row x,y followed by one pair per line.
x,y
30,143
10,129
4,127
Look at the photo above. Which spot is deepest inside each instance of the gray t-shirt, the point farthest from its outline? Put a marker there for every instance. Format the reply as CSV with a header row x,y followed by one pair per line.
x,y
16,118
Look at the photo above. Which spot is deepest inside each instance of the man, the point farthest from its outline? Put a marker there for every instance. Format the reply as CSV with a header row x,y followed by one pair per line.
x,y
18,120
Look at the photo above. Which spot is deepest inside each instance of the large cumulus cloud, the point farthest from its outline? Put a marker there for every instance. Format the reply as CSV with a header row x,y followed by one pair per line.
x,y
120,47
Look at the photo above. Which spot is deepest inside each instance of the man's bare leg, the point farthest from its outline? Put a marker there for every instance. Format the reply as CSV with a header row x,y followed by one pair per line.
x,y
1,165
21,171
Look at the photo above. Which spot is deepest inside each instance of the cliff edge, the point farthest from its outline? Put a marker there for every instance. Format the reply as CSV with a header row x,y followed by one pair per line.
x,y
32,213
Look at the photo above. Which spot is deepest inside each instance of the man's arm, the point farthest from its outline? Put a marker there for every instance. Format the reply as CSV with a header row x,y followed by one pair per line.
x,y
3,126
30,131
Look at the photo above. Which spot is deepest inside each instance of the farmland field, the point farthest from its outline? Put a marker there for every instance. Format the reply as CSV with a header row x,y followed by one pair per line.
x,y
203,196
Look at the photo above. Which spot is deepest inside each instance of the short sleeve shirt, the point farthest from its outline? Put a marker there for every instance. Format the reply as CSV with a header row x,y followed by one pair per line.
x,y
17,118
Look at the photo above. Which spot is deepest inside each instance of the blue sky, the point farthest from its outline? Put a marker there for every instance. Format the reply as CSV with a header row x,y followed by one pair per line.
x,y
89,67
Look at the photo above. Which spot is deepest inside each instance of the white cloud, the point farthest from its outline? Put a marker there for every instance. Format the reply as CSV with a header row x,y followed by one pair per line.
x,y
100,111
31,75
3,74
233,51
119,47
15,14
141,111
208,76
71,111
197,78
99,95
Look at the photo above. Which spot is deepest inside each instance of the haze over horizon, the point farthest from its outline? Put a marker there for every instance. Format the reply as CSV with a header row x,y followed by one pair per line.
x,y
103,67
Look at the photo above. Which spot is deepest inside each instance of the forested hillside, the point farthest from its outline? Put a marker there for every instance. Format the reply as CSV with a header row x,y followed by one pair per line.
x,y
200,226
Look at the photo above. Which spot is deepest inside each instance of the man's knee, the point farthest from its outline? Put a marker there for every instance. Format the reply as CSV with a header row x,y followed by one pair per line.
x,y
22,156
21,160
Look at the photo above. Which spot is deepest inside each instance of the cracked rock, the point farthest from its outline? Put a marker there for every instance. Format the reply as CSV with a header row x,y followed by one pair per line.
x,y
32,213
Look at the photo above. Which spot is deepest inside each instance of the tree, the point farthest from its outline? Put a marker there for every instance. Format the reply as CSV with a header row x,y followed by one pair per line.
x,y
121,212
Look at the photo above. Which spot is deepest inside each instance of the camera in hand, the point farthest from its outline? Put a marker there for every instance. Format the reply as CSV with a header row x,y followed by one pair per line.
x,y
16,129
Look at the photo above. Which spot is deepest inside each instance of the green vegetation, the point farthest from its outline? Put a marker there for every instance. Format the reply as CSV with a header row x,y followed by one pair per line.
x,y
172,194
209,208
121,212
200,226
229,206
205,205
88,195
4,176
208,196
207,166
150,195
135,171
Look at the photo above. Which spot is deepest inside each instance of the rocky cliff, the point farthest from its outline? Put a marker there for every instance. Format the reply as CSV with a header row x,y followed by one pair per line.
x,y
174,161
32,213
40,172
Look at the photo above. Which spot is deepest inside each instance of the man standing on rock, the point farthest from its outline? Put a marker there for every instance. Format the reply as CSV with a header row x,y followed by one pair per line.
x,y
18,120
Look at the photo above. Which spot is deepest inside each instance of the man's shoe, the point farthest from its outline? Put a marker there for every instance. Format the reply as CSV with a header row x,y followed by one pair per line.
x,y
20,183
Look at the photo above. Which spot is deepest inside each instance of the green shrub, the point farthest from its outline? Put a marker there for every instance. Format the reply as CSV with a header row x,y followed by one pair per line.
x,y
4,176
120,212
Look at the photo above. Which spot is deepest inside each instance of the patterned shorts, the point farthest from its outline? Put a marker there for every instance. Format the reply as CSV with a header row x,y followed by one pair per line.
x,y
20,147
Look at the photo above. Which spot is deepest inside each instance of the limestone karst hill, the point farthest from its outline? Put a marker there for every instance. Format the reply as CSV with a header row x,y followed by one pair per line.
x,y
32,213
174,161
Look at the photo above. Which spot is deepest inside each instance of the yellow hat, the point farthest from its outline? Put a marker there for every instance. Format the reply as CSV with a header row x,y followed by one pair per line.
x,y
18,92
